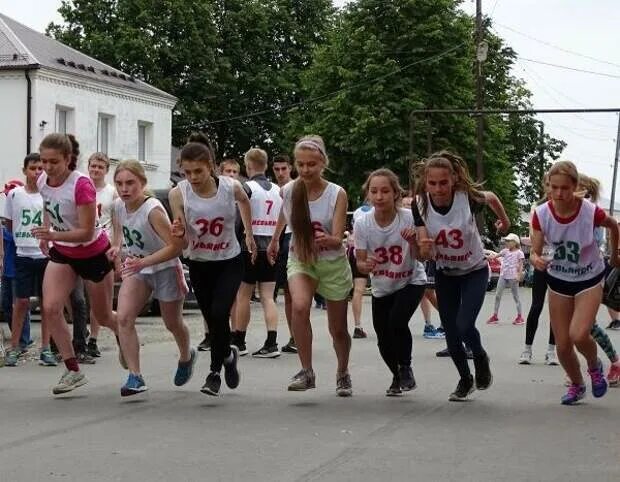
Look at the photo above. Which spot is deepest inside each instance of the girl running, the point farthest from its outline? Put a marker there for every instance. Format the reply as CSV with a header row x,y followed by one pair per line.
x,y
316,211
509,276
151,266
385,248
575,271
203,206
78,248
448,201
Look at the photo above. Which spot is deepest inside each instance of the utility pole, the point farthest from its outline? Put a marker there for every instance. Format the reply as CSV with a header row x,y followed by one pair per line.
x,y
541,156
481,54
613,184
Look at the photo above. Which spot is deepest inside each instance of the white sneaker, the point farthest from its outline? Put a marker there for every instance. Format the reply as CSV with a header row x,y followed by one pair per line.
x,y
69,381
525,358
2,353
551,359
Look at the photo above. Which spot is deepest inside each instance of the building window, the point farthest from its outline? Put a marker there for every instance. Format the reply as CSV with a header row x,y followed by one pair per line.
x,y
104,128
64,119
145,130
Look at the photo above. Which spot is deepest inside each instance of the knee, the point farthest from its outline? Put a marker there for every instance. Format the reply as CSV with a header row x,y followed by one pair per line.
x,y
580,336
125,322
53,309
339,332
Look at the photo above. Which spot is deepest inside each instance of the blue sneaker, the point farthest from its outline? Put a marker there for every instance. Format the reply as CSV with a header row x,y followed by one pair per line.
x,y
185,370
10,359
599,384
429,331
574,394
134,385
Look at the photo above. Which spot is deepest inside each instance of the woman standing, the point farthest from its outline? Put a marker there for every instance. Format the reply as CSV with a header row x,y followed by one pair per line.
x,y
447,231
203,206
316,210
78,248
385,247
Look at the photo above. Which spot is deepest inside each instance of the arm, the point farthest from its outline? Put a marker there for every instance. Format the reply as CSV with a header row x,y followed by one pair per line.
x,y
503,223
274,244
611,224
333,240
87,217
538,241
179,225
245,210
365,264
173,248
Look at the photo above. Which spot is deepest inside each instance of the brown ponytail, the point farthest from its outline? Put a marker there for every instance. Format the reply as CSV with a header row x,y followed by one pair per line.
x,y
66,144
301,224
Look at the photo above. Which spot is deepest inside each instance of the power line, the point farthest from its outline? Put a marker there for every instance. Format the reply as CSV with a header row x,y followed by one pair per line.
x,y
331,94
566,67
549,44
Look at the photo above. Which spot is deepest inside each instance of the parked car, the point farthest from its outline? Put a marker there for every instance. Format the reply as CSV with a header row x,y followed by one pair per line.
x,y
495,266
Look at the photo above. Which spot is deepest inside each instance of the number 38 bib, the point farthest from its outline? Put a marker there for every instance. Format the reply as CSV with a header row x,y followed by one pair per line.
x,y
457,242
577,256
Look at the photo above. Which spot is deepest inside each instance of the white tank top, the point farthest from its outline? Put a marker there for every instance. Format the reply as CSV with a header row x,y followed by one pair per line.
x,y
211,222
577,256
395,268
105,200
321,215
139,237
25,210
266,207
457,242
61,206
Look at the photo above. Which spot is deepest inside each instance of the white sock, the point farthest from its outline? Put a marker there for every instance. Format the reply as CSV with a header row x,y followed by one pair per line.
x,y
528,348
551,348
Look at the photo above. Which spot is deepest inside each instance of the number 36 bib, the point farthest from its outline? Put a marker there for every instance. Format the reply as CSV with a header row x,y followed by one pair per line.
x,y
457,242
577,256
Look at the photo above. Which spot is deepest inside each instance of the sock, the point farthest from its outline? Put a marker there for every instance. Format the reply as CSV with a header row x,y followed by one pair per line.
x,y
271,338
72,364
92,340
45,347
550,348
240,336
603,340
528,348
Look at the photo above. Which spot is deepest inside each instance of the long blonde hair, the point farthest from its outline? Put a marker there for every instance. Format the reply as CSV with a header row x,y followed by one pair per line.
x,y
591,187
457,168
301,222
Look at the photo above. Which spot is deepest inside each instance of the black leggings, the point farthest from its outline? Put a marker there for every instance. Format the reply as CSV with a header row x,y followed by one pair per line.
x,y
390,318
215,284
539,290
459,299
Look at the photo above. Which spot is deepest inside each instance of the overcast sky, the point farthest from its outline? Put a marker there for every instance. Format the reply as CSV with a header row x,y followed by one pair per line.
x,y
589,28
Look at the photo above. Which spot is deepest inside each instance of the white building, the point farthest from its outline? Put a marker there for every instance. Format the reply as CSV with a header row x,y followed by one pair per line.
x,y
48,87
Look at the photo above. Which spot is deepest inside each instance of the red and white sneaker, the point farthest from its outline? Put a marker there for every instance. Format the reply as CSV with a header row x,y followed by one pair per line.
x,y
613,377
493,320
518,320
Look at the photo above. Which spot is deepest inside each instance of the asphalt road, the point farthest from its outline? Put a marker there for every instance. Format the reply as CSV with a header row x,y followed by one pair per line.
x,y
515,431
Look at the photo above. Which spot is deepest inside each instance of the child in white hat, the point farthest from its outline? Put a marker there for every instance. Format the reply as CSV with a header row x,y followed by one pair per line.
x,y
509,276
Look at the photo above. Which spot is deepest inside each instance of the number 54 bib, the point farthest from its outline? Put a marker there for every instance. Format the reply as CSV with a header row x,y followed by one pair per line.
x,y
457,241
577,256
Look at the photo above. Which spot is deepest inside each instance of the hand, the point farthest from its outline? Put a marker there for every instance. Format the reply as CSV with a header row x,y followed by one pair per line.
x,y
251,244
44,246
112,253
43,233
369,265
177,229
538,262
409,235
272,251
323,240
131,266
502,225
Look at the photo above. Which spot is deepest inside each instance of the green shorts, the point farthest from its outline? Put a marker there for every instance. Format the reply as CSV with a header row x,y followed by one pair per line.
x,y
333,275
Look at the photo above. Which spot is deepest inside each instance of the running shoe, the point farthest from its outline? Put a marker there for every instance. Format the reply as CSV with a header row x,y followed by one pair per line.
x,y
92,349
290,347
518,320
394,389
231,372
47,358
441,331
550,358
429,331
212,384
599,384
344,388
574,394
267,352
69,381
438,335
484,377
2,351
613,377
11,357
493,320
133,386
463,389
185,370
302,381
205,344
407,380
614,325
84,358
241,347
359,332
443,353
526,357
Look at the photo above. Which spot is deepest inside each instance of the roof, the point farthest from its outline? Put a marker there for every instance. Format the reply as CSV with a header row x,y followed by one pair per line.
x,y
23,47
